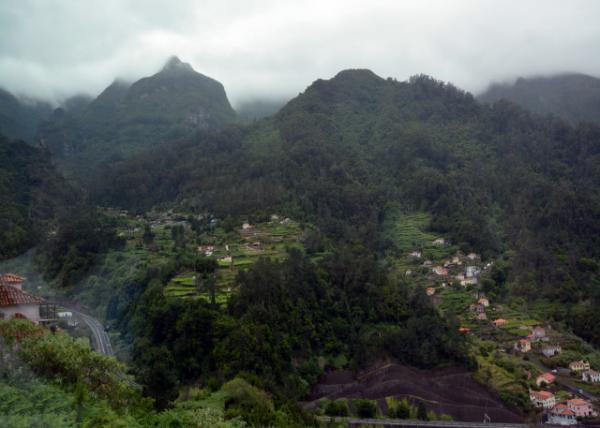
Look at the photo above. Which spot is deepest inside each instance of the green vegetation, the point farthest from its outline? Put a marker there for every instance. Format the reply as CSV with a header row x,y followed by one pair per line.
x,y
32,196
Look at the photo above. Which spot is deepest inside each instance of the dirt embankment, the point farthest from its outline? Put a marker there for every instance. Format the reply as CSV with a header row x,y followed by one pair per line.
x,y
448,390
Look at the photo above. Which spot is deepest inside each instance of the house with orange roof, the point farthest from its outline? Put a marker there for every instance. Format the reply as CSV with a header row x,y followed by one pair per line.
x,y
561,415
12,280
430,291
545,379
464,330
523,345
582,408
543,399
499,322
16,303
439,270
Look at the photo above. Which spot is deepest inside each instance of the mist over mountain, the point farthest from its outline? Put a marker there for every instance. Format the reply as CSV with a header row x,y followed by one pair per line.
x,y
574,97
127,118
20,118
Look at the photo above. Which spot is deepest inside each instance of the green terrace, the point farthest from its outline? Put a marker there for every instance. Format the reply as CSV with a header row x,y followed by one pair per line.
x,y
234,252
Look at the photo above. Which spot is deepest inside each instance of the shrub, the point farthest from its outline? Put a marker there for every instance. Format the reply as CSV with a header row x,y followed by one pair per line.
x,y
364,408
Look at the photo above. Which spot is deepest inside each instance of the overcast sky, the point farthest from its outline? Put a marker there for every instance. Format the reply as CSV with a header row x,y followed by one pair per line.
x,y
270,49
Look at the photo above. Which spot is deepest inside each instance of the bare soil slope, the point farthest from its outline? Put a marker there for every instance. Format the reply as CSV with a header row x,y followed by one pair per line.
x,y
449,390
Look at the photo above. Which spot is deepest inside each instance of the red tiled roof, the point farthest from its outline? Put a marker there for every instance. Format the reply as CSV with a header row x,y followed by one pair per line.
x,y
562,409
541,395
575,402
11,278
13,296
548,377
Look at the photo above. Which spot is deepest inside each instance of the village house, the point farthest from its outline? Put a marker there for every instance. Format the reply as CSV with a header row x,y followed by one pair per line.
x,y
16,303
274,217
481,317
545,379
538,333
415,254
227,259
439,242
408,272
468,281
578,366
472,256
246,226
561,415
427,263
430,291
484,301
477,308
543,399
500,322
207,250
472,271
591,376
12,280
460,277
439,270
456,261
551,350
581,408
464,330
523,345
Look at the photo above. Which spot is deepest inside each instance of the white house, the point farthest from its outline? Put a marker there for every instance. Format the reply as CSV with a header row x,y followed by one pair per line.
x,y
579,366
543,399
551,350
561,415
440,242
16,303
472,271
591,376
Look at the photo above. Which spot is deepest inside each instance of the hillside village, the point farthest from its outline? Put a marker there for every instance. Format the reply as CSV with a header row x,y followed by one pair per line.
x,y
513,349
562,385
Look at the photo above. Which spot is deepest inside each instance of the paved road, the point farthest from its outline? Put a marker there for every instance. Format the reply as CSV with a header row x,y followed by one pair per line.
x,y
407,423
101,340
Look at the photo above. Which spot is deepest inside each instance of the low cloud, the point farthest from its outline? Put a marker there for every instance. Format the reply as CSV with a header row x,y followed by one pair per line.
x,y
52,49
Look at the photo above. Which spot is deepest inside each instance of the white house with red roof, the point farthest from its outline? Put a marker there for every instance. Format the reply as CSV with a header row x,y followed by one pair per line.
x,y
545,378
16,303
562,415
544,399
581,407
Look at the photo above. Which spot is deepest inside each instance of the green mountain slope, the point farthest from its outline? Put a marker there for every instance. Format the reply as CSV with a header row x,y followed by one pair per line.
x,y
574,97
32,194
18,118
493,178
128,118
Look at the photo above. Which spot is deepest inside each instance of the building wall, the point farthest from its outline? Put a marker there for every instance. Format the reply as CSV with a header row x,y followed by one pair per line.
x,y
32,312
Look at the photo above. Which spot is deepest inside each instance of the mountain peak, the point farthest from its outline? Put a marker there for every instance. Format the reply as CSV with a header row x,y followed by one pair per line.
x,y
175,64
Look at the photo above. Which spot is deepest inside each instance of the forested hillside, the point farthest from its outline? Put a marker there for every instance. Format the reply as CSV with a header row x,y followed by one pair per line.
x,y
574,97
494,177
32,196
127,118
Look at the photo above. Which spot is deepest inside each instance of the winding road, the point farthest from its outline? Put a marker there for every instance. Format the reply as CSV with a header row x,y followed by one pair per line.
x,y
101,340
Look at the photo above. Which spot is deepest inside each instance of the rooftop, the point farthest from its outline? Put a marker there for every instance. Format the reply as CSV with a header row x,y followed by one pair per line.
x,y
13,296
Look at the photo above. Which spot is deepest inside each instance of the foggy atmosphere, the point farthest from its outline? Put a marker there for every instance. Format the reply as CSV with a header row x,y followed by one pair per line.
x,y
299,213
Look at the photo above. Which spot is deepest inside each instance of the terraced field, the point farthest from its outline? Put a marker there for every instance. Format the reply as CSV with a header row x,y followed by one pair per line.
x,y
235,252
